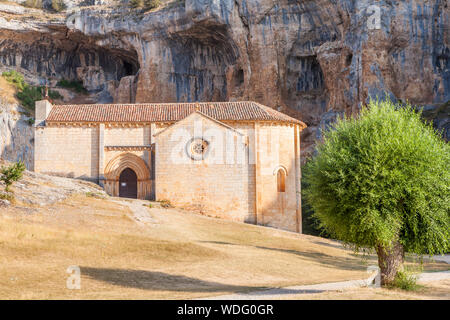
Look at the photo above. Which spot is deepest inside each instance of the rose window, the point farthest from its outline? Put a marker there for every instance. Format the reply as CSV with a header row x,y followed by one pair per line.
x,y
197,148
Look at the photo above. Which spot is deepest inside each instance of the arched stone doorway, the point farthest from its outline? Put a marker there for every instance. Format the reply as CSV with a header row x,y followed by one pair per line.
x,y
119,165
128,184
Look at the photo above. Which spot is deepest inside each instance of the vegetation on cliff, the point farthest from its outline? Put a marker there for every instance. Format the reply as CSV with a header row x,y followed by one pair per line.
x,y
145,4
54,5
76,86
58,5
381,181
37,4
26,93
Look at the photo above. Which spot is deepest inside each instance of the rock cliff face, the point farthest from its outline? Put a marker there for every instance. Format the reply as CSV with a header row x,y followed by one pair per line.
x,y
16,135
312,59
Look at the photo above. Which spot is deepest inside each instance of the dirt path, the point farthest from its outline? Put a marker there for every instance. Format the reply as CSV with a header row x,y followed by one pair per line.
x,y
140,213
443,258
279,293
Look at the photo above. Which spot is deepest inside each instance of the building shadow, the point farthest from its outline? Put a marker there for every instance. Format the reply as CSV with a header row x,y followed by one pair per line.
x,y
159,281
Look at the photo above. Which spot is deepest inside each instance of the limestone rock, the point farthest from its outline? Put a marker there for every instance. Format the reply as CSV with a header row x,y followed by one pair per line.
x,y
16,135
305,58
126,91
41,190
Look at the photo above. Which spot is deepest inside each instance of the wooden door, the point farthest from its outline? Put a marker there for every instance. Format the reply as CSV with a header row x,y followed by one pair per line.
x,y
128,184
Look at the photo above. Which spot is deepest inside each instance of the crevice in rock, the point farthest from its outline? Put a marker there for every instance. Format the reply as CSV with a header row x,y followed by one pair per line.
x,y
307,94
200,57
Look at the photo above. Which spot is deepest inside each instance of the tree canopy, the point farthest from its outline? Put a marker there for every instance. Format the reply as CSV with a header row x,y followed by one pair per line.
x,y
383,177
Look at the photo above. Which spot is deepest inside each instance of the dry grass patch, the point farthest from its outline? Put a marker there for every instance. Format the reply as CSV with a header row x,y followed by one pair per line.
x,y
176,255
7,91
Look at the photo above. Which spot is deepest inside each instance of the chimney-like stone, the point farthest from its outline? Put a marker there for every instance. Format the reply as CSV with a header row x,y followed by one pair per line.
x,y
42,110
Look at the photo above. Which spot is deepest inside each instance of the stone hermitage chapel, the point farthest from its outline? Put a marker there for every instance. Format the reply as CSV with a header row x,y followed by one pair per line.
x,y
234,160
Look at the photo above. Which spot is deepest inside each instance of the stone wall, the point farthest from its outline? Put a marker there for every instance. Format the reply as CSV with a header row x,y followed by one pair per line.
x,y
67,150
73,150
219,185
127,136
236,179
244,191
277,152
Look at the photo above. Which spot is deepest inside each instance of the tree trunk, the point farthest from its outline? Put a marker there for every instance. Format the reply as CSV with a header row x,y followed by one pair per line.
x,y
390,259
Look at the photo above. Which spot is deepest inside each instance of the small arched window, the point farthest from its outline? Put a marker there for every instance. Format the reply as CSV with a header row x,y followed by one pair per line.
x,y
281,180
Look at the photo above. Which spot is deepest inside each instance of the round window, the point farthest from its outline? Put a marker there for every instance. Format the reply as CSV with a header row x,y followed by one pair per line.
x,y
197,148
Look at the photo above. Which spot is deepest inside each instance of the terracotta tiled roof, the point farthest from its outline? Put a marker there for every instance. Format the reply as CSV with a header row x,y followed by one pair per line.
x,y
166,112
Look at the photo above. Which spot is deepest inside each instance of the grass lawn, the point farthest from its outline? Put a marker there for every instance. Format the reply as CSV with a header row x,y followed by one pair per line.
x,y
174,254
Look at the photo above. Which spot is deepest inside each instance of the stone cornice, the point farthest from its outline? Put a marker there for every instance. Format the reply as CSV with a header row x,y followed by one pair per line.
x,y
128,148
160,124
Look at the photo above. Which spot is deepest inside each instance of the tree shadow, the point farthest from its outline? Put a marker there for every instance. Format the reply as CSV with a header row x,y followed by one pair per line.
x,y
159,281
220,242
331,245
344,263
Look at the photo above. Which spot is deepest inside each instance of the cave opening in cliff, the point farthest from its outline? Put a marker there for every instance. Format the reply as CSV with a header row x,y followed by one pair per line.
x,y
306,89
126,63
97,67
74,60
349,59
128,68
240,77
309,74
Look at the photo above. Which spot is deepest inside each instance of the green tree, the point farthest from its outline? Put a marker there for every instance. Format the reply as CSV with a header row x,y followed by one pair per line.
x,y
381,181
12,173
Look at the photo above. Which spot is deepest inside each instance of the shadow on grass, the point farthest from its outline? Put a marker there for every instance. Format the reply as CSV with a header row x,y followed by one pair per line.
x,y
159,281
344,263
223,243
331,245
